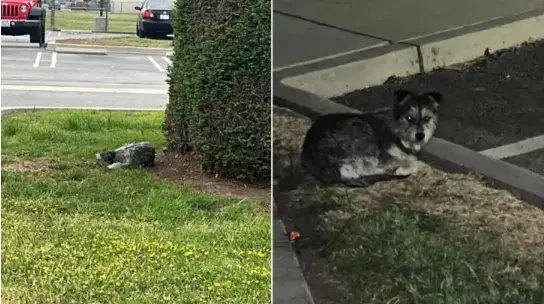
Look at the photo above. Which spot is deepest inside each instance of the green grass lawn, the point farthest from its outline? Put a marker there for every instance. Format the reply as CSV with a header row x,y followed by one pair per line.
x,y
77,20
75,233
398,253
125,41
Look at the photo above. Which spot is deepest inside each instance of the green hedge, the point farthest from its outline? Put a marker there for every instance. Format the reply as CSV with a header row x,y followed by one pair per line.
x,y
219,104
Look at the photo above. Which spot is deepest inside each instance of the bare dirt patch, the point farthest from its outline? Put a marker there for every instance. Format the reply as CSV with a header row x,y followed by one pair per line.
x,y
34,165
465,198
183,168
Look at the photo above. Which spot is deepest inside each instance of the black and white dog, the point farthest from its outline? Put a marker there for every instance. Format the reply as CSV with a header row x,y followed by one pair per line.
x,y
133,155
358,150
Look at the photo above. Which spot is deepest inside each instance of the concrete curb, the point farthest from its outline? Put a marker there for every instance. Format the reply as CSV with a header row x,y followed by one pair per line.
x,y
287,274
470,42
68,31
346,74
18,45
104,50
89,36
400,60
439,152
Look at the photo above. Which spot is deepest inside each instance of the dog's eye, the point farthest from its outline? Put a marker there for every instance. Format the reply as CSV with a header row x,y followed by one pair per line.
x,y
426,119
409,118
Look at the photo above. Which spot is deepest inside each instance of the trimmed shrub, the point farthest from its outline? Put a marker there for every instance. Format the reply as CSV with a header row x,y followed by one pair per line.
x,y
219,105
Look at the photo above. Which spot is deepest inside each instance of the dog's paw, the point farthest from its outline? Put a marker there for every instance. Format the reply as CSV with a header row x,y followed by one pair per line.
x,y
405,171
115,166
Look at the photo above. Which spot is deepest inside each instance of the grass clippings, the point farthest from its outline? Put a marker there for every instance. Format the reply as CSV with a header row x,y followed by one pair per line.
x,y
30,165
435,237
76,233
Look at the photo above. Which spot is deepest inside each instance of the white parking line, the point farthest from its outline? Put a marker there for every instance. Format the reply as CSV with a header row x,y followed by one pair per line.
x,y
53,59
168,61
48,33
521,147
38,58
155,63
58,34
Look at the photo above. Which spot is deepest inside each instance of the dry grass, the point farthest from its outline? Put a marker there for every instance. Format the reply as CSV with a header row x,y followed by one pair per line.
x,y
466,197
460,207
18,164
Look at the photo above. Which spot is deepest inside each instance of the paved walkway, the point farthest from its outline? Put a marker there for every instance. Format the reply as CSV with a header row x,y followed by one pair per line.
x,y
307,30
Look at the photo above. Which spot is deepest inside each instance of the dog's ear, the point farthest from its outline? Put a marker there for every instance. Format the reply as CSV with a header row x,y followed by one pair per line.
x,y
435,97
402,95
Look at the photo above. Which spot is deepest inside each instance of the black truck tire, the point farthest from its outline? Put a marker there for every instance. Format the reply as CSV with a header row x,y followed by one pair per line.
x,y
38,34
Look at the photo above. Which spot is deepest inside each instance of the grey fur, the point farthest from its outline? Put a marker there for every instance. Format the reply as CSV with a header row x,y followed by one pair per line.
x,y
133,155
361,149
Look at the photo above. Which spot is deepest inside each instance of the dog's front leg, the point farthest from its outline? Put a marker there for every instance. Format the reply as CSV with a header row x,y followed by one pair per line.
x,y
115,166
360,172
408,168
356,182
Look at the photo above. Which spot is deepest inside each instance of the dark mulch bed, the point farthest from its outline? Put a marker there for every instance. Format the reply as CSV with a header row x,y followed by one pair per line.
x,y
183,168
495,100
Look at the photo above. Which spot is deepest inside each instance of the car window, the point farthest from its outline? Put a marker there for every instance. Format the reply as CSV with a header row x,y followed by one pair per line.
x,y
161,4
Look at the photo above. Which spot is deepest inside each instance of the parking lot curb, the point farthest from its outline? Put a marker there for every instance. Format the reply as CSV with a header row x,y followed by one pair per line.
x,y
289,284
102,49
68,31
400,60
372,67
78,50
439,152
468,43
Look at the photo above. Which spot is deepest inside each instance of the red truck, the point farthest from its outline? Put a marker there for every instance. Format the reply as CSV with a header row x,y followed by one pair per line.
x,y
24,17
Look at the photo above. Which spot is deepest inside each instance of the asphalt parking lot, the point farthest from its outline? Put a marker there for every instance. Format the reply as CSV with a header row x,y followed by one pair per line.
x,y
32,76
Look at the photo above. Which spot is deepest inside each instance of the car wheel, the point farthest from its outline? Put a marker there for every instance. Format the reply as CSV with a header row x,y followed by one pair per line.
x,y
141,33
38,35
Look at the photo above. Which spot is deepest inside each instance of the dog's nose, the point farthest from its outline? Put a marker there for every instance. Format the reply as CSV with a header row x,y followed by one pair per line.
x,y
420,136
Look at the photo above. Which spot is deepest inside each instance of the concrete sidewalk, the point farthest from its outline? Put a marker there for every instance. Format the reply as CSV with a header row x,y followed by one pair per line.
x,y
307,30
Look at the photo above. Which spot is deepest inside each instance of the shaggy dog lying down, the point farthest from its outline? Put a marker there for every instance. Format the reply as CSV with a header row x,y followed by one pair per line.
x,y
133,155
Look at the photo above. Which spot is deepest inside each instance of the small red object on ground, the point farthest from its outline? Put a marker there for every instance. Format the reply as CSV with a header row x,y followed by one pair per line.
x,y
293,236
